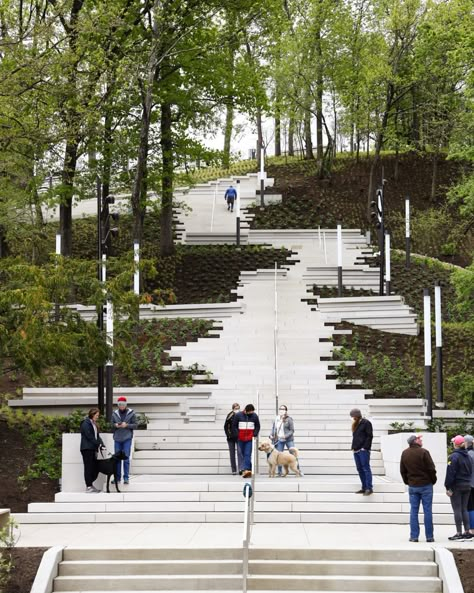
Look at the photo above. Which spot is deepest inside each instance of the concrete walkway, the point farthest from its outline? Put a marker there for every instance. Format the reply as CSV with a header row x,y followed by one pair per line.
x,y
225,535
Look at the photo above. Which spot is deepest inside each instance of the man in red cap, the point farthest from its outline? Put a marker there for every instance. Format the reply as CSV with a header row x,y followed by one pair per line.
x,y
123,422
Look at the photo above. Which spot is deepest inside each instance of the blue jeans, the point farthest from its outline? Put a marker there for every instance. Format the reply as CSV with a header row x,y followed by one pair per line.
x,y
245,448
362,461
423,494
126,447
280,446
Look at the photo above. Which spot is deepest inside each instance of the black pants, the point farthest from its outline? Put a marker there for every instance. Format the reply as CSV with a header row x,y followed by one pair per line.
x,y
459,501
90,466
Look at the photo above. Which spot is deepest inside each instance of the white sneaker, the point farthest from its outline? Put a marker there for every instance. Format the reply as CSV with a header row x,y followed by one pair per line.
x,y
91,490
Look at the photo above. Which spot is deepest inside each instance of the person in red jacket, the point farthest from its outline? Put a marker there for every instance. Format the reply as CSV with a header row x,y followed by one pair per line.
x,y
245,426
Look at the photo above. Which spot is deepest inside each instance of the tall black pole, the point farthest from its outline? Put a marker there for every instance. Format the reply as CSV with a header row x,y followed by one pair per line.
x,y
439,347
109,365
407,232
237,210
100,312
427,344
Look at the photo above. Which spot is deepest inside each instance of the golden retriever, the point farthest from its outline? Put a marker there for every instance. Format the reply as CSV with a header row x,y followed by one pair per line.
x,y
284,458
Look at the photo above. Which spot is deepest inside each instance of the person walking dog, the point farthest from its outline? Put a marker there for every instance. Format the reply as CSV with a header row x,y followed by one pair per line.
x,y
283,431
458,487
419,473
232,441
90,445
362,435
124,422
245,426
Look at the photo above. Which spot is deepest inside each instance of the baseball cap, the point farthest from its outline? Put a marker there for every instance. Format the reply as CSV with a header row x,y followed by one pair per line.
x,y
122,399
412,438
457,440
468,439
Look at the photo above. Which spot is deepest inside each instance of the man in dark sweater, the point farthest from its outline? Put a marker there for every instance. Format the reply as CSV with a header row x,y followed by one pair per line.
x,y
419,473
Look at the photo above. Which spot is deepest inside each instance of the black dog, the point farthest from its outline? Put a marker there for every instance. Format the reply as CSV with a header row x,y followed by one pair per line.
x,y
108,467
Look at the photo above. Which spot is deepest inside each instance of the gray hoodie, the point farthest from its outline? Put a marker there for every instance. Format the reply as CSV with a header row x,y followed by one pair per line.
x,y
470,452
124,434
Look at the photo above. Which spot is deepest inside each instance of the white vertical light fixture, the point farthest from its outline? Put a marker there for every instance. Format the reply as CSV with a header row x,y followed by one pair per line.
x,y
427,345
439,347
339,259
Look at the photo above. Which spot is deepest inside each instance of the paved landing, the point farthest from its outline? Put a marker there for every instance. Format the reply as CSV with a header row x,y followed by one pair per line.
x,y
201,535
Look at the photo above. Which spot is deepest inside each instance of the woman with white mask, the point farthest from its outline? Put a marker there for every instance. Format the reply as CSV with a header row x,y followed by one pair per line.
x,y
283,431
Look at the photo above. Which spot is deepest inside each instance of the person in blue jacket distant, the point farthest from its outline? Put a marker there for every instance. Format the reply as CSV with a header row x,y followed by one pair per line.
x,y
230,197
124,422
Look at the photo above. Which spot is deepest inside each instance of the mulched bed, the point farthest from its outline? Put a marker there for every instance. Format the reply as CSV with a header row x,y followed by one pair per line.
x,y
309,202
27,561
465,563
15,456
458,352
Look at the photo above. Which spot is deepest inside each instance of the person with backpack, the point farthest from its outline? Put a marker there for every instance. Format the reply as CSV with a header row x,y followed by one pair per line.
x,y
458,487
246,426
232,441
124,422
230,196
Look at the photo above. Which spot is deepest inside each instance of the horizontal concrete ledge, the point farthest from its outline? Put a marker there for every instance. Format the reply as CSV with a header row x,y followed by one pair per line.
x,y
48,570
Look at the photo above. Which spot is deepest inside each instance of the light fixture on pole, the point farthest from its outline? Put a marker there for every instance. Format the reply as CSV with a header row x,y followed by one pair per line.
x,y
427,345
237,210
136,274
377,214
407,232
339,260
439,347
109,333
387,264
262,176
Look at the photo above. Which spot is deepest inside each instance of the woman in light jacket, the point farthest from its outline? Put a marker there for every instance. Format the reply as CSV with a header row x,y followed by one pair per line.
x,y
283,431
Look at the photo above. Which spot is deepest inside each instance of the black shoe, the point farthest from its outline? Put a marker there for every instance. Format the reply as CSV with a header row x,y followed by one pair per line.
x,y
413,539
457,537
467,535
241,472
430,540
368,492
361,491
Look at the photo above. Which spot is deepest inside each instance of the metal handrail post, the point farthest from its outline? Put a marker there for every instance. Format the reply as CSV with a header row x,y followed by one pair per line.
x,y
246,541
213,206
252,479
275,343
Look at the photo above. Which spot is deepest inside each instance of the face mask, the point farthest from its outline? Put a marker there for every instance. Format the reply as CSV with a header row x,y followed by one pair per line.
x,y
236,410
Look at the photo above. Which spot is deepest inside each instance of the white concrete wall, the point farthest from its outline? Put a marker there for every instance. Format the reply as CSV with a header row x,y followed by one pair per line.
x,y
392,446
72,471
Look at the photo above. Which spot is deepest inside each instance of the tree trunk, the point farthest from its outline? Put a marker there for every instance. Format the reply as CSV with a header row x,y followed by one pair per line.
x,y
277,121
291,137
277,135
308,142
67,188
166,238
415,121
434,176
229,124
319,99
259,136
137,201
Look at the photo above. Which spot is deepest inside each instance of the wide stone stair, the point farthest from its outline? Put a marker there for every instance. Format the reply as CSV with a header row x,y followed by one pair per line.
x,y
288,569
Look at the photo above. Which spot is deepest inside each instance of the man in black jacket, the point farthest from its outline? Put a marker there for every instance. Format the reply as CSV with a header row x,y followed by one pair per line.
x,y
362,435
419,473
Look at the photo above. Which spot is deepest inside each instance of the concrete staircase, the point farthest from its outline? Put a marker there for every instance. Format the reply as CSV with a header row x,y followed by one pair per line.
x,y
148,569
385,313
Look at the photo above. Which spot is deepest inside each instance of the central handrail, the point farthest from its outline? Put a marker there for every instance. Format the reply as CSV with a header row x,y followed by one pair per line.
x,y
275,343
